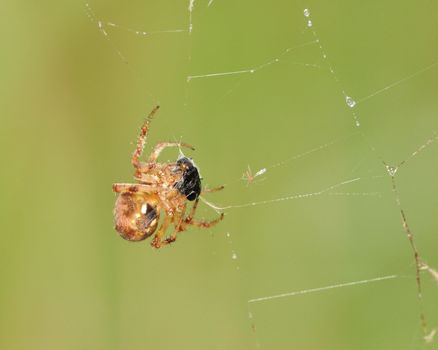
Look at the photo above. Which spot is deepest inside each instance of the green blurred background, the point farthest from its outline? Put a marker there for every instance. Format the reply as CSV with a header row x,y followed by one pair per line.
x,y
71,110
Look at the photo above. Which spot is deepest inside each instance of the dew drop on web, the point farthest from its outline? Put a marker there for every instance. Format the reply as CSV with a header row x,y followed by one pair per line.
x,y
392,170
350,102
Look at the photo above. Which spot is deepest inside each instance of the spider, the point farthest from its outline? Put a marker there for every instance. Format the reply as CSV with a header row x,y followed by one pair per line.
x,y
160,187
249,177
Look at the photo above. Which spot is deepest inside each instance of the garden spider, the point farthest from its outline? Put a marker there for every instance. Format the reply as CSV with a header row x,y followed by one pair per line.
x,y
160,186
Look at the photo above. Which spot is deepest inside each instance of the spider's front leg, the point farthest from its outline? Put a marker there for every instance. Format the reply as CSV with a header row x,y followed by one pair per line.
x,y
135,160
142,138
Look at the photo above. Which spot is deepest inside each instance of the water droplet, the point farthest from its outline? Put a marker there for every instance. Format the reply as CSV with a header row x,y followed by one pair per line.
x,y
309,23
357,123
391,170
228,235
306,13
324,56
234,256
350,102
252,71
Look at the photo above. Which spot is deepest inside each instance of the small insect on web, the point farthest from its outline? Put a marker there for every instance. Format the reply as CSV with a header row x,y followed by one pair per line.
x,y
249,177
160,187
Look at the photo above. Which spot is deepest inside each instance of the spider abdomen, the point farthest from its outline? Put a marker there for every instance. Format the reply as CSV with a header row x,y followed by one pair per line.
x,y
136,215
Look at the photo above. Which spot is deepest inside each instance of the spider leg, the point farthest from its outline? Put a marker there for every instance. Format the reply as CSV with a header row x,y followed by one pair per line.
x,y
159,147
214,189
142,138
190,221
133,188
157,242
192,212
178,220
205,224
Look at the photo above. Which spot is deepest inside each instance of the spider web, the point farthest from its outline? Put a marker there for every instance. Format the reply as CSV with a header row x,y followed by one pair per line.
x,y
321,121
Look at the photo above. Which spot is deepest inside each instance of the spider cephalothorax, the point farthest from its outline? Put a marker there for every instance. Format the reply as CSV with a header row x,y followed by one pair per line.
x,y
160,187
